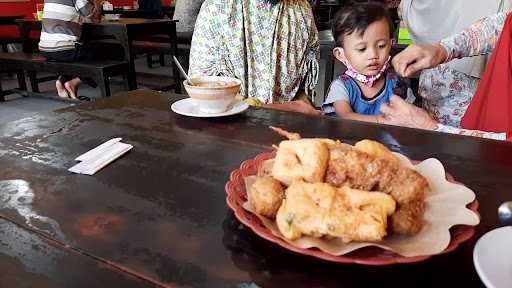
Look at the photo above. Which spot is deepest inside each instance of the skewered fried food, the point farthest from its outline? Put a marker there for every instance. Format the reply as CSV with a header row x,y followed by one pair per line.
x,y
368,165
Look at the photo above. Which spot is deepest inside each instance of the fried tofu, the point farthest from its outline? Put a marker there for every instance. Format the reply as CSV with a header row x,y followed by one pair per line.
x,y
301,160
320,209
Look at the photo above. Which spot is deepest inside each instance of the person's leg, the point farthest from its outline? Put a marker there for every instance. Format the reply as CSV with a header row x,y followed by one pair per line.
x,y
59,84
61,56
61,91
71,87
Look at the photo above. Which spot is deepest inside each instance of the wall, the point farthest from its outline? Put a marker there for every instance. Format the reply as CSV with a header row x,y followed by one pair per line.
x,y
26,9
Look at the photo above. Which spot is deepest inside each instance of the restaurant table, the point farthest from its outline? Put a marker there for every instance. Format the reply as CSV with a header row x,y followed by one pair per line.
x,y
6,21
124,31
159,214
138,13
135,13
27,260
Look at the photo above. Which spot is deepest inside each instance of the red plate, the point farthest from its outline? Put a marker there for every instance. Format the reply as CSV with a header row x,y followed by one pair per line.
x,y
237,196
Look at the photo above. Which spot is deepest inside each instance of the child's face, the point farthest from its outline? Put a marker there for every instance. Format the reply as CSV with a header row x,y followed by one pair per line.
x,y
366,52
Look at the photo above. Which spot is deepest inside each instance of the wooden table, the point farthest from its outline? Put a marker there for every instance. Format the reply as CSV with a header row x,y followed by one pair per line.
x,y
133,13
124,31
9,21
159,214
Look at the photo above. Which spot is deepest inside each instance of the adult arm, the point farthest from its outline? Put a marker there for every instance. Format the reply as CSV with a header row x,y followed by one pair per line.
x,y
89,9
310,70
400,113
480,38
206,51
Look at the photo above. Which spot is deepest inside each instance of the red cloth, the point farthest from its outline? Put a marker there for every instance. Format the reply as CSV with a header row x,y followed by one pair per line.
x,y
491,107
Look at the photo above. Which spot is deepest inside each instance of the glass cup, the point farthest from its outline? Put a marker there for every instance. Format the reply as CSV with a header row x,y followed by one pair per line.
x,y
39,11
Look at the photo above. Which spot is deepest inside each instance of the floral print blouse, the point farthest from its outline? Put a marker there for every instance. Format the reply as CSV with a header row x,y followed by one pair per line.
x,y
479,39
446,92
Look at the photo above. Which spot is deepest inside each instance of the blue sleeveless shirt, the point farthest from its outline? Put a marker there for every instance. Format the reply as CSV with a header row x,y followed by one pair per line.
x,y
345,88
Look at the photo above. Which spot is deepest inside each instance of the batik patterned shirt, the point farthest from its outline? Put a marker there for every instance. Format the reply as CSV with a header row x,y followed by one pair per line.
x,y
479,39
272,48
447,92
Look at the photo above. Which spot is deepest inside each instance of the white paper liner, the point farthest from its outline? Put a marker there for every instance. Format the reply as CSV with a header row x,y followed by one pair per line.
x,y
445,208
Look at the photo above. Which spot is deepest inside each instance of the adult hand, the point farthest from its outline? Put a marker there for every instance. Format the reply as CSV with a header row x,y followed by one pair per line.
x,y
418,57
296,106
400,113
95,17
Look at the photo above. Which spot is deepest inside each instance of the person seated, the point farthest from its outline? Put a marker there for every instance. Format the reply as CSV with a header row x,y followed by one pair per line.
x,y
60,37
447,90
270,45
481,38
363,33
151,6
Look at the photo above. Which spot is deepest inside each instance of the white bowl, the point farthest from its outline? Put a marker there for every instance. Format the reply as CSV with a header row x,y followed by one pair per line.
x,y
213,94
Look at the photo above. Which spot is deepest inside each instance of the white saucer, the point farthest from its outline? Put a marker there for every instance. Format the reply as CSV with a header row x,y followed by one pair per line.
x,y
493,258
187,107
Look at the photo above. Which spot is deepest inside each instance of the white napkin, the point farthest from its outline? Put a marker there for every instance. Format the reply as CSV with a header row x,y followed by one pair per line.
x,y
92,161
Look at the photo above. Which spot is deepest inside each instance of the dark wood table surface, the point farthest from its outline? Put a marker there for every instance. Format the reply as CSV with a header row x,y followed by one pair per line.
x,y
158,215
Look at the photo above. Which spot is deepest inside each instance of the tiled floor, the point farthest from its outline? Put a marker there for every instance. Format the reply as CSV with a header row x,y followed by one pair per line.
x,y
17,107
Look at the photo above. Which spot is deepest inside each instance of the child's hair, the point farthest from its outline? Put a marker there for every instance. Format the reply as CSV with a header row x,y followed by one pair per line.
x,y
357,17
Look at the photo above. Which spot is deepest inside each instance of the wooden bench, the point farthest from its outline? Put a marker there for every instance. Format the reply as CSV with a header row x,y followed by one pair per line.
x,y
33,63
99,71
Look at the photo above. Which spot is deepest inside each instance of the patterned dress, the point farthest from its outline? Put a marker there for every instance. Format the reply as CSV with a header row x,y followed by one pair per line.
x,y
272,48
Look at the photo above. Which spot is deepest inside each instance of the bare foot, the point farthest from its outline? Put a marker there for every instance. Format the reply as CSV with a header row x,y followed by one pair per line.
x,y
72,87
61,91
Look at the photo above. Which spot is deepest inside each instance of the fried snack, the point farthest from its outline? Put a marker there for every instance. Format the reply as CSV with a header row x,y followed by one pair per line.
x,y
356,169
265,196
286,134
296,136
319,209
266,168
408,220
304,159
376,149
